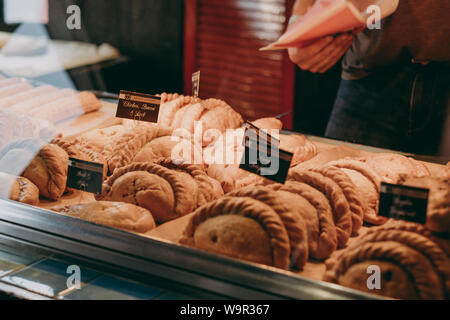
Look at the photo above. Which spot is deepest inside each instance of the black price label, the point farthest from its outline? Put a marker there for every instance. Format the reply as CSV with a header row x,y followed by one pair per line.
x,y
85,176
195,84
403,203
263,156
138,106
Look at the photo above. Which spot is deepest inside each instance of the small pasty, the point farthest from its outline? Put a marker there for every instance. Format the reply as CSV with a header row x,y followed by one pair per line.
x,y
118,215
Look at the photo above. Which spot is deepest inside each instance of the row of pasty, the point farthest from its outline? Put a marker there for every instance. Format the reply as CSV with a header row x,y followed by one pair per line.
x,y
234,213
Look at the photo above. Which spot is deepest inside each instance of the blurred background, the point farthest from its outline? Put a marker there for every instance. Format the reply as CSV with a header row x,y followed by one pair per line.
x,y
160,44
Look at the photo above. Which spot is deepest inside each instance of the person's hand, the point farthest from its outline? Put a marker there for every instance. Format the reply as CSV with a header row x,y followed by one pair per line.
x,y
321,55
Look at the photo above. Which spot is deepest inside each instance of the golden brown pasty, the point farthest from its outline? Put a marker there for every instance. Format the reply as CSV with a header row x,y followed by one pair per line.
x,y
242,228
412,266
218,116
446,173
392,224
126,146
81,152
322,238
390,167
167,194
293,222
368,184
170,104
118,215
98,139
19,189
351,193
209,189
268,124
302,148
438,211
44,165
48,171
175,148
336,197
225,155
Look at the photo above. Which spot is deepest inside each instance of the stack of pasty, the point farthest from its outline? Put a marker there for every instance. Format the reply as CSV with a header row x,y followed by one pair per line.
x,y
166,193
410,262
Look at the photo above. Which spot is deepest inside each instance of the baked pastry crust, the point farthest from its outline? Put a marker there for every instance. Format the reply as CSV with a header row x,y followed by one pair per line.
x,y
251,208
351,193
209,189
341,209
446,173
98,139
390,167
268,124
423,259
325,243
176,148
170,104
44,165
19,189
302,148
119,215
401,225
81,152
48,171
368,183
218,115
126,146
168,194
294,223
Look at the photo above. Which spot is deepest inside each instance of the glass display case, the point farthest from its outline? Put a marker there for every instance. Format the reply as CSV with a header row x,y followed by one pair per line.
x,y
163,209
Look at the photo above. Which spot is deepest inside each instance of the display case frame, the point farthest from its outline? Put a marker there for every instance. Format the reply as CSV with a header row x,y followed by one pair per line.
x,y
221,275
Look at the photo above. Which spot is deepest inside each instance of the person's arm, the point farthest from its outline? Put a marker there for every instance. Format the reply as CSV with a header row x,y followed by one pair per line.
x,y
321,55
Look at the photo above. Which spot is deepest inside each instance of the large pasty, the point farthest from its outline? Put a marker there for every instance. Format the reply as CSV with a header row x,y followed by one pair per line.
x,y
390,166
209,189
167,194
98,139
44,165
294,222
18,189
126,146
368,184
438,211
302,148
338,201
351,192
240,227
412,266
322,238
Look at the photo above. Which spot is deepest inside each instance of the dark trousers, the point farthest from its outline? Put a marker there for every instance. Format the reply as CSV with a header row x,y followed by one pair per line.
x,y
402,108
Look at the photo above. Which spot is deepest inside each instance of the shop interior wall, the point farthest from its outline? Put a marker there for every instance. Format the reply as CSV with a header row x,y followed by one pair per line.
x,y
149,32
